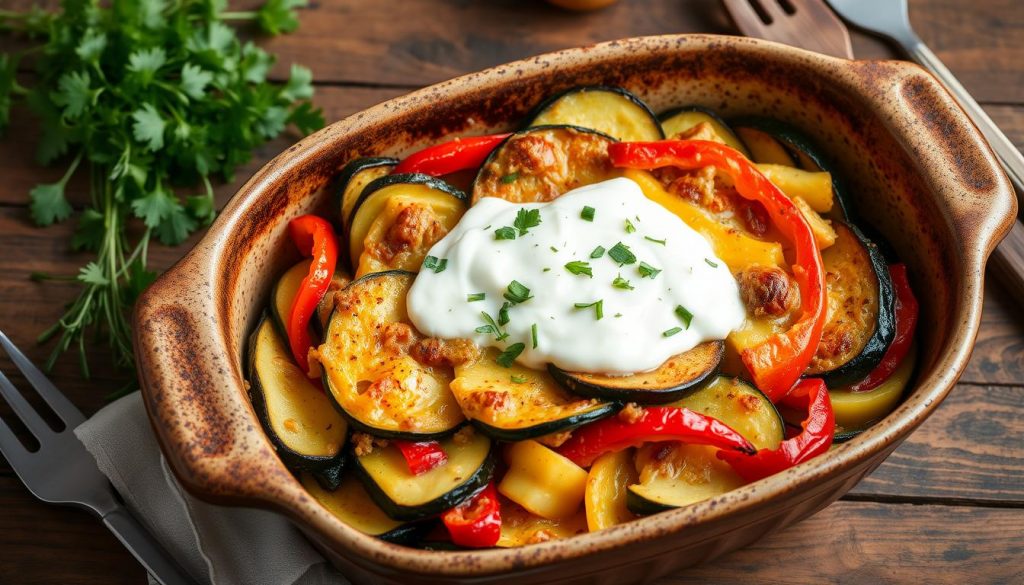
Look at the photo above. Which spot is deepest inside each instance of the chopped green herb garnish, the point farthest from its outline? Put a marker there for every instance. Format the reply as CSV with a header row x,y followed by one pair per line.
x,y
471,298
617,315
598,252
491,327
587,213
685,316
621,254
622,283
598,307
503,314
517,293
650,239
554,249
505,233
647,271
711,264
533,335
579,267
526,219
510,354
671,332
546,270
518,379
629,227
435,264
510,178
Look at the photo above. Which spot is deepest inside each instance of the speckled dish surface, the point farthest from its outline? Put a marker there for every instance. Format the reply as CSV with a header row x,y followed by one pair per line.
x,y
921,174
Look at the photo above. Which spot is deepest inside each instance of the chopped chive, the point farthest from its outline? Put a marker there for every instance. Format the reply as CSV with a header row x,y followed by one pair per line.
x,y
598,307
554,249
533,335
628,225
526,219
546,270
617,315
435,264
491,327
505,233
510,354
685,316
587,213
517,379
621,254
475,297
503,314
647,271
517,293
598,252
650,239
510,178
622,283
579,267
711,264
671,332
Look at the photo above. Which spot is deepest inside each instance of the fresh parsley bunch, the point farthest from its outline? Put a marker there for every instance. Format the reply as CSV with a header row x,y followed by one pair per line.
x,y
154,100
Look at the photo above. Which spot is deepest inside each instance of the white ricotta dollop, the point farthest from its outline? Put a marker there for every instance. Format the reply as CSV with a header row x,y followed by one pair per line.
x,y
646,294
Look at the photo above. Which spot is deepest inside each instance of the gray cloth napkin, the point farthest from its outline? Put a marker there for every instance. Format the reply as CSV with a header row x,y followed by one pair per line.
x,y
215,544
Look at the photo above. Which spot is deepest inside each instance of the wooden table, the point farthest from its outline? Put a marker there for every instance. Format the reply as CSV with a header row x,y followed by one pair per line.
x,y
947,506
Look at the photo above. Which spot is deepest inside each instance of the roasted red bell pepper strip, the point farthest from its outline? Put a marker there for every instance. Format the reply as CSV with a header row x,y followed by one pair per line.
x,y
906,321
314,238
450,157
656,423
477,521
776,363
423,456
814,439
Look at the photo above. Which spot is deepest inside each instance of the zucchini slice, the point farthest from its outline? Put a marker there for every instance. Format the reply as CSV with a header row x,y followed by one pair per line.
x,y
673,475
679,120
764,149
506,409
539,164
856,411
610,110
804,152
404,496
307,433
741,406
368,371
607,486
354,177
434,193
667,383
860,322
519,527
284,293
352,505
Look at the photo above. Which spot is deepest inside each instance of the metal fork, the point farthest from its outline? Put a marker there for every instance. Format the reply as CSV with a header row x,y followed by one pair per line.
x,y
61,471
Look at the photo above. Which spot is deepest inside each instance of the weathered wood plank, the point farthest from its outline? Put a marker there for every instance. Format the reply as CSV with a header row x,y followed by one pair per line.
x,y
971,449
857,543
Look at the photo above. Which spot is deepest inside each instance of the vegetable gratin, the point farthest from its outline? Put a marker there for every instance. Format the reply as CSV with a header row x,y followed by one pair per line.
x,y
507,339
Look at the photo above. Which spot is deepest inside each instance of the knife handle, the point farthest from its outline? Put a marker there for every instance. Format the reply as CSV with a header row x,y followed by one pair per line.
x,y
145,548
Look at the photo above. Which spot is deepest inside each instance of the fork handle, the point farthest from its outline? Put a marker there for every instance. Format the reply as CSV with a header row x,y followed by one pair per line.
x,y
145,548
1013,161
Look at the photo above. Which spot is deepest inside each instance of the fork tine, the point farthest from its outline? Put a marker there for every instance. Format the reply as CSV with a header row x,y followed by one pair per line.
x,y
60,404
23,409
12,448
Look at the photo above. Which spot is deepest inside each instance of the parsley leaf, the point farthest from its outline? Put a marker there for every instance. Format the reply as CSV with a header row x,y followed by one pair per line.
x,y
647,271
505,233
278,16
621,254
194,81
436,264
526,219
579,267
149,127
598,252
509,178
74,93
507,357
622,283
48,204
517,293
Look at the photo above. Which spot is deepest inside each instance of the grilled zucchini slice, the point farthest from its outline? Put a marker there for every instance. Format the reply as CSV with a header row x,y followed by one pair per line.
x,y
856,411
404,496
297,417
764,149
354,177
610,110
539,164
368,373
675,474
667,383
445,202
860,322
679,120
352,505
519,403
607,488
284,293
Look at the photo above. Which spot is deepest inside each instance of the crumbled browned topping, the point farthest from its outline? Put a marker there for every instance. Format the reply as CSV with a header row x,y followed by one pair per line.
x,y
631,413
702,131
416,227
395,338
448,353
362,444
555,440
767,291
541,535
315,368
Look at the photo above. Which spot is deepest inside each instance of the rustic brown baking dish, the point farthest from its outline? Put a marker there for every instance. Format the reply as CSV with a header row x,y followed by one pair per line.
x,y
921,174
